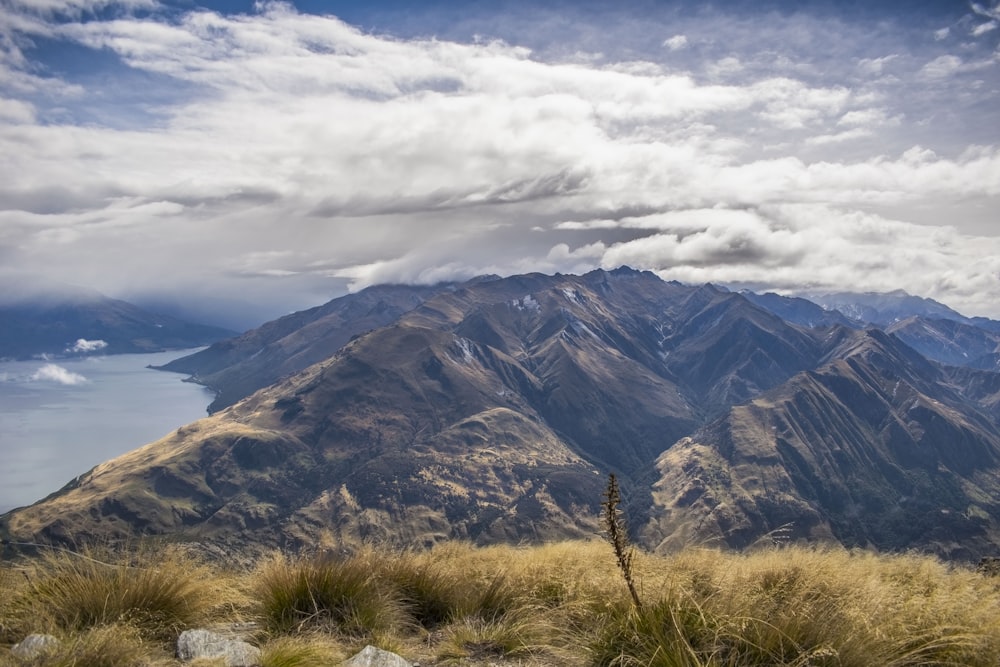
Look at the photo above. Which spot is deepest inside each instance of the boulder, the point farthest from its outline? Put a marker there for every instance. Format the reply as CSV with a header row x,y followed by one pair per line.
x,y
194,644
376,657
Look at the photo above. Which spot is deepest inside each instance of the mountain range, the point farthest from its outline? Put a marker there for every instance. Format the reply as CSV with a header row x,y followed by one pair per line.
x,y
493,410
74,321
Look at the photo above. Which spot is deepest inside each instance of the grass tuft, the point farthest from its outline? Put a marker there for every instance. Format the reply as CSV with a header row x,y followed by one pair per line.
x,y
302,651
104,646
322,591
158,592
431,594
508,636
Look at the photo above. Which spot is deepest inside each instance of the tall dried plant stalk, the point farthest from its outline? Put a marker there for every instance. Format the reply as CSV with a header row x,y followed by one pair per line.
x,y
617,535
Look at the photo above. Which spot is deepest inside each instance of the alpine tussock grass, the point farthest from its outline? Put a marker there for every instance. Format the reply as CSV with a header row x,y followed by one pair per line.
x,y
563,603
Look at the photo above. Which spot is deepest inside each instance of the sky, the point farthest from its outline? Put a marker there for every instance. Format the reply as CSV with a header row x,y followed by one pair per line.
x,y
235,161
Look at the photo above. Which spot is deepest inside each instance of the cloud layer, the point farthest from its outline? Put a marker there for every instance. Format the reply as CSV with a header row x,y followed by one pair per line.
x,y
290,156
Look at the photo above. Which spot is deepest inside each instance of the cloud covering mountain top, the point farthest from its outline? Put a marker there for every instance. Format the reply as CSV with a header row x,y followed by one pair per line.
x,y
150,152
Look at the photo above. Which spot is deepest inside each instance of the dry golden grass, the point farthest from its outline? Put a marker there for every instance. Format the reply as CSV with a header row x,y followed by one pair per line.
x,y
158,591
563,603
305,650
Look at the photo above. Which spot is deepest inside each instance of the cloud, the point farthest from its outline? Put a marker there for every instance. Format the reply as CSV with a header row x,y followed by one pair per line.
x,y
942,66
792,247
76,8
16,111
289,156
84,346
876,66
867,118
57,374
675,43
949,65
984,28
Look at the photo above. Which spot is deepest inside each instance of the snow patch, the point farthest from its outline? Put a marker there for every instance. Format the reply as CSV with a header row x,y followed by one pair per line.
x,y
465,348
526,303
571,294
580,327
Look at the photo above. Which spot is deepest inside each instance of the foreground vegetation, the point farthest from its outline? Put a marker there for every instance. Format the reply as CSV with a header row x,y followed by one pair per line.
x,y
564,603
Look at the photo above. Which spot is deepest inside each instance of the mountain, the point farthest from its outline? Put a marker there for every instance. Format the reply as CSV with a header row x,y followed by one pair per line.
x,y
493,410
236,367
885,308
81,321
931,328
798,310
950,342
873,448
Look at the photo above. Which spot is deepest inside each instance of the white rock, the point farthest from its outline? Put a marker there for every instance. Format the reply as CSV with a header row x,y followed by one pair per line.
x,y
376,657
193,644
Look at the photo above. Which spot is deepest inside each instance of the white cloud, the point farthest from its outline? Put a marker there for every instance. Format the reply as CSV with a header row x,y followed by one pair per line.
x,y
876,66
867,118
984,28
84,346
726,67
942,67
809,245
305,154
983,10
838,137
675,43
16,111
948,65
57,374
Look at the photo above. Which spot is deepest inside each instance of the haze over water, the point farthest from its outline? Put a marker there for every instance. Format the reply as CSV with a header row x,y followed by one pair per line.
x,y
60,418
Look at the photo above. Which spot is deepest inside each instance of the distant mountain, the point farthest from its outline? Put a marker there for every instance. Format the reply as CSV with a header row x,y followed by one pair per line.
x,y
931,328
886,308
803,312
493,410
950,342
82,322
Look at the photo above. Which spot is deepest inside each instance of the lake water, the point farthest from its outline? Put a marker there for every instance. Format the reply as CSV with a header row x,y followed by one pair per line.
x,y
60,418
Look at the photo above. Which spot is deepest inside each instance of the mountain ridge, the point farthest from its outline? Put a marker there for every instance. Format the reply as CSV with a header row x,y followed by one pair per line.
x,y
493,410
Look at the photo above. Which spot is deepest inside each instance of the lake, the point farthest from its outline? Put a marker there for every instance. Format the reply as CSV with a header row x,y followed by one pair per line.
x,y
59,418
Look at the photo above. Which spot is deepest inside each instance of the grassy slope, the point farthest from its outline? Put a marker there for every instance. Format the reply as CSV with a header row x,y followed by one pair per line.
x,y
562,603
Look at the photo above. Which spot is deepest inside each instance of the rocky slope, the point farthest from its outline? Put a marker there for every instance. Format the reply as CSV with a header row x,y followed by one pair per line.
x,y
873,448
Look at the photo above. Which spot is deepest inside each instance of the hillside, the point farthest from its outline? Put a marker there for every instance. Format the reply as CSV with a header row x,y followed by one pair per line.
x,y
492,411
236,367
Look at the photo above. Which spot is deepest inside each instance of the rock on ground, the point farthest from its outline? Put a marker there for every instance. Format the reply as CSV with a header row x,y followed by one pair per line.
x,y
34,646
375,657
193,644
